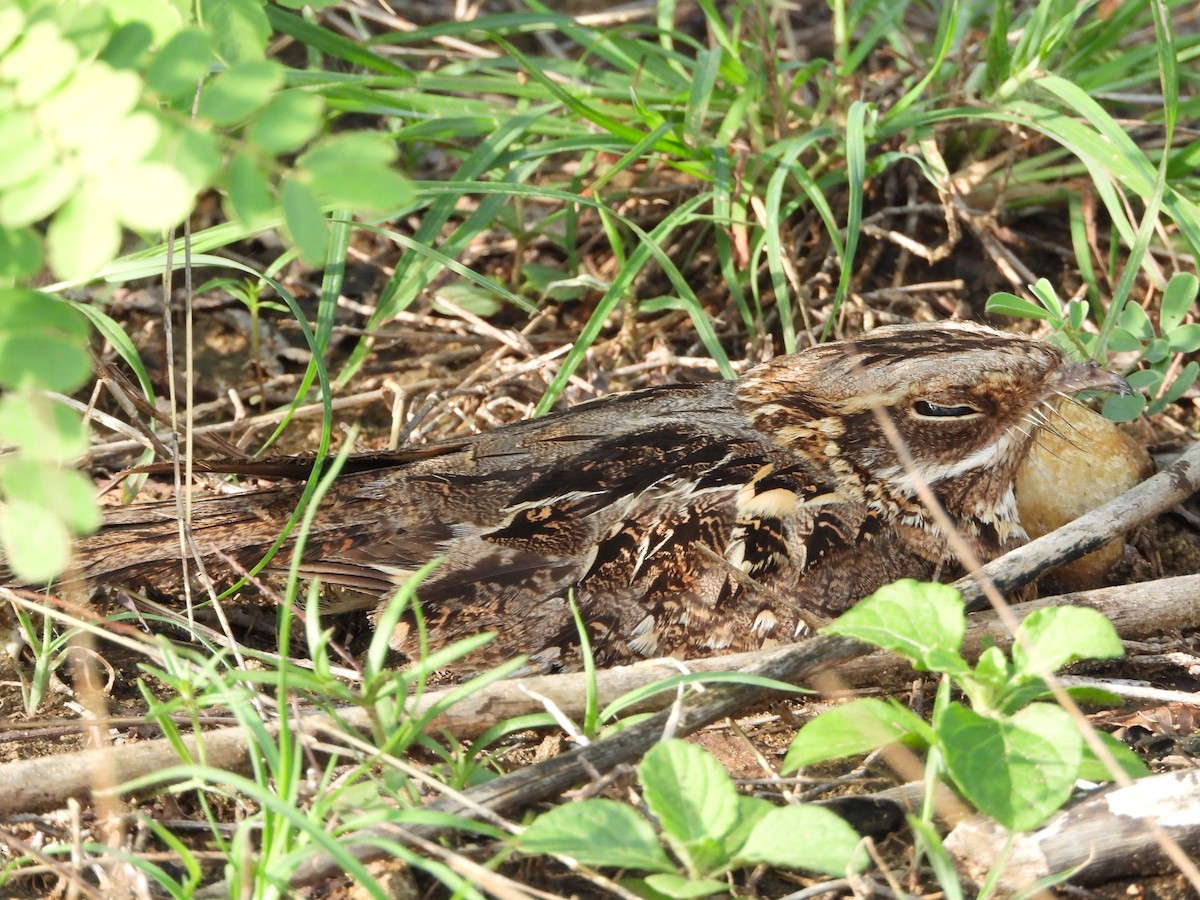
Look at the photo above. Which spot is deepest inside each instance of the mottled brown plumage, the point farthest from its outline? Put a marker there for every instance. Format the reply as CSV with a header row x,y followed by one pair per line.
x,y
784,474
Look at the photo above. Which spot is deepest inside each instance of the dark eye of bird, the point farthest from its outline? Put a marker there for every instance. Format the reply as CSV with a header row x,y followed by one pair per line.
x,y
938,411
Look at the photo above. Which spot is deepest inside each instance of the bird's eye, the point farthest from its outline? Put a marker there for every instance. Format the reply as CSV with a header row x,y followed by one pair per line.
x,y
927,410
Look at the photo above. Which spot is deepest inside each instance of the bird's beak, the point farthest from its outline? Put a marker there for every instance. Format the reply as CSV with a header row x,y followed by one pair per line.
x,y
1087,376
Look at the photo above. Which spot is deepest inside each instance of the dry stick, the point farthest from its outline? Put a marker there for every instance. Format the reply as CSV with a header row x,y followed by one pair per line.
x,y
45,783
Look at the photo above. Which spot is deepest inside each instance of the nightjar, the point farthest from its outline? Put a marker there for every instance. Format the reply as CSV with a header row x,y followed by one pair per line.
x,y
684,520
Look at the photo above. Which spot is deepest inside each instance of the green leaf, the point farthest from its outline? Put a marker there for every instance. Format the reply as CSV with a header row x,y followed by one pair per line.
x,y
305,222
149,196
1184,339
39,62
41,429
94,106
20,254
805,837
1183,381
27,310
1121,341
853,728
239,27
1048,297
176,69
680,887
694,799
64,492
43,342
23,149
27,360
83,237
993,668
1177,301
470,297
924,623
290,120
33,200
1146,380
1092,769
160,17
1157,350
127,45
1124,409
354,170
1077,311
238,91
1061,635
37,546
1017,770
249,192
597,833
1134,320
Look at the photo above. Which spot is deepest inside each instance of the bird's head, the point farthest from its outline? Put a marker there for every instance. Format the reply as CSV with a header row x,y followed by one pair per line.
x,y
966,401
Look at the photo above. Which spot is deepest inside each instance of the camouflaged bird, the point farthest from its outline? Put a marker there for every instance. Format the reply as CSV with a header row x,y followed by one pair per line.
x,y
689,520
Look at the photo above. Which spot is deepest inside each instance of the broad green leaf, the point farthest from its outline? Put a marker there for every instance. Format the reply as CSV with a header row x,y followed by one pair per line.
x,y
91,108
177,68
149,196
305,221
41,429
37,546
470,297
23,149
1182,382
1059,636
34,199
290,120
1048,297
12,23
853,728
1184,339
1121,341
805,837
83,236
43,342
161,17
20,254
64,492
694,799
924,623
597,833
1092,769
127,45
1145,380
1178,299
680,887
237,92
239,28
1017,770
1124,409
1157,350
249,192
38,63
29,360
1134,320
354,170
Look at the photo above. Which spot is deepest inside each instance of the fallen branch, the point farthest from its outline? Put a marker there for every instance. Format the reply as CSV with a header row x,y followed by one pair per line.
x,y
45,783
1105,836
